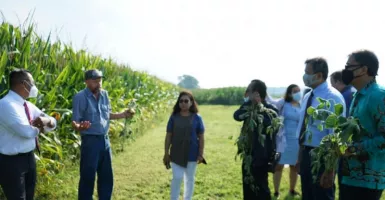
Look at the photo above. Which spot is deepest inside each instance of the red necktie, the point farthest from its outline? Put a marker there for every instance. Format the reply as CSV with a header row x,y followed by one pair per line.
x,y
29,120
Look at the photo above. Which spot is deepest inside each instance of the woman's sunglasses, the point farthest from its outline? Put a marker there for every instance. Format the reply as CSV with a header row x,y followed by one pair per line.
x,y
184,101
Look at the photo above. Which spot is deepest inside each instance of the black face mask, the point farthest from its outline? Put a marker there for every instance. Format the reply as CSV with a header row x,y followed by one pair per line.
x,y
348,76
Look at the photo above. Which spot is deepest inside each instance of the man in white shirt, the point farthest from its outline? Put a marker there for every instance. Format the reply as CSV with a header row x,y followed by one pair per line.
x,y
20,124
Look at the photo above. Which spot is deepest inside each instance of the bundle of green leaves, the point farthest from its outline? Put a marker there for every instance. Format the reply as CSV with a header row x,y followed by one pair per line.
x,y
334,145
253,123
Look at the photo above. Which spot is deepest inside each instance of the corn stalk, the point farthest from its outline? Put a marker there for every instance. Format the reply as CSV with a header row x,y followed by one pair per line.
x,y
58,71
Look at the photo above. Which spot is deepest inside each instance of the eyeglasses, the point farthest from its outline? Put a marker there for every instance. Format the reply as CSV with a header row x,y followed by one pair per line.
x,y
29,84
184,101
351,66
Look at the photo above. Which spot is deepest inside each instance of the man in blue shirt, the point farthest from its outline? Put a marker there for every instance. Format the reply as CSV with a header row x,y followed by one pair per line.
x,y
363,167
347,91
316,73
91,116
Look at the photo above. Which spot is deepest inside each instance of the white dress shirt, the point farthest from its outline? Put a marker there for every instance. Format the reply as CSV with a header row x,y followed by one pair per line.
x,y
16,133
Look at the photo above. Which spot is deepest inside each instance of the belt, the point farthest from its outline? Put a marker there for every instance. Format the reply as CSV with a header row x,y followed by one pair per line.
x,y
307,147
17,155
97,136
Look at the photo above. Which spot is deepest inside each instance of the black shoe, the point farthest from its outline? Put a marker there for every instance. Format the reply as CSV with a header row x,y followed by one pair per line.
x,y
294,193
276,194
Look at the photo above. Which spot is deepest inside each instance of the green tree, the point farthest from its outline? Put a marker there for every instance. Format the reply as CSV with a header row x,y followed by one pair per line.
x,y
188,82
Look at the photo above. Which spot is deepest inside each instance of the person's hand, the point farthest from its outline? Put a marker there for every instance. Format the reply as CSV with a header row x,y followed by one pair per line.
x,y
200,159
327,179
352,150
167,160
244,116
129,113
83,125
40,122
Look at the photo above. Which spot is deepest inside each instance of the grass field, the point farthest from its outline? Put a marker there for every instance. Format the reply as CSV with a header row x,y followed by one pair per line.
x,y
140,174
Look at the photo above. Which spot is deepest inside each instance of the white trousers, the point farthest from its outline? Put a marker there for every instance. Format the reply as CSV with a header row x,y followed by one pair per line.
x,y
177,176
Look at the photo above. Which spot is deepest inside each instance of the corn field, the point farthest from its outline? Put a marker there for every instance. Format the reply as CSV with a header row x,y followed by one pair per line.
x,y
58,71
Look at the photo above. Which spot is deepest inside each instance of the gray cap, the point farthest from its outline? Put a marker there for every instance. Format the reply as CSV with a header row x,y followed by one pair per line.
x,y
93,74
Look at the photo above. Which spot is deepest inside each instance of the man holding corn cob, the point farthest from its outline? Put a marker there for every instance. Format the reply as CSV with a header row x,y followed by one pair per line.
x,y
91,116
363,166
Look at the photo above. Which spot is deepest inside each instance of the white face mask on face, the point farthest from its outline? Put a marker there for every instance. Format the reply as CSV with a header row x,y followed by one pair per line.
x,y
32,92
297,96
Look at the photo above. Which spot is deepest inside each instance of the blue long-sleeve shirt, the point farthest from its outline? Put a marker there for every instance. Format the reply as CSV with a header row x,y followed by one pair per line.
x,y
325,91
348,93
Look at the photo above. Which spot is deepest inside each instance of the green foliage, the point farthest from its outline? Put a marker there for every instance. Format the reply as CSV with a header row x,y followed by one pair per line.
x,y
254,120
221,96
58,71
332,146
188,82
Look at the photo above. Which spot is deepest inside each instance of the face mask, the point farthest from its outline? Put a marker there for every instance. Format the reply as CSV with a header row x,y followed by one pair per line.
x,y
308,79
33,91
348,76
297,96
246,99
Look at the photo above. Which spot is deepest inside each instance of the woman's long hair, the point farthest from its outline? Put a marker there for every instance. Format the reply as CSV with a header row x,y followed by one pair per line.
x,y
289,90
194,106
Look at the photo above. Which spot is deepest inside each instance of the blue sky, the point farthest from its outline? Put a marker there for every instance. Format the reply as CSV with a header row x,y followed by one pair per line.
x,y
220,42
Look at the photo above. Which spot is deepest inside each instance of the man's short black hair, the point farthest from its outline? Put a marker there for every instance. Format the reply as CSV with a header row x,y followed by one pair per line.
x,y
319,64
337,76
368,59
17,76
260,87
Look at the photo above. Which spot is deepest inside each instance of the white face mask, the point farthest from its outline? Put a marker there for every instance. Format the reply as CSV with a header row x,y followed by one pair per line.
x,y
33,92
246,99
297,96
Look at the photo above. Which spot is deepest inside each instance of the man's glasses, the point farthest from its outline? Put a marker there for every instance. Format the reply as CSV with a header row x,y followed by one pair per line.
x,y
183,101
351,66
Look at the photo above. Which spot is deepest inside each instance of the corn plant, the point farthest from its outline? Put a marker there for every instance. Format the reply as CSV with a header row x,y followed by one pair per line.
x,y
58,71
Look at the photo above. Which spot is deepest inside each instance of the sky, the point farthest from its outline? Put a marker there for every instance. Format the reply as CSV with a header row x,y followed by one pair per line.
x,y
220,42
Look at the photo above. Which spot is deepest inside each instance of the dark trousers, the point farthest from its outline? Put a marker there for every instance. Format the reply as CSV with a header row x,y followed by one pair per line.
x,y
339,177
18,176
352,193
95,157
312,190
260,175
